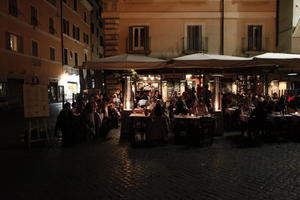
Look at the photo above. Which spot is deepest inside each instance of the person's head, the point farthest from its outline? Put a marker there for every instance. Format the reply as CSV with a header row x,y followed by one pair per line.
x,y
74,105
67,106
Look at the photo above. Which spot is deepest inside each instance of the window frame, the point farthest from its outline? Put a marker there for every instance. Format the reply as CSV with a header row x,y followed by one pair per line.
x,y
51,28
37,48
65,56
252,42
191,45
13,7
32,22
52,56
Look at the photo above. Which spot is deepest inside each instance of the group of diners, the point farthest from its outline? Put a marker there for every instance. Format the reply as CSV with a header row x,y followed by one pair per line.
x,y
88,117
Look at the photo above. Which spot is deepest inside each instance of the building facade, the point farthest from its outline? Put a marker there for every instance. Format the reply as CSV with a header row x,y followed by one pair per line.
x,y
289,26
45,41
167,29
76,44
30,46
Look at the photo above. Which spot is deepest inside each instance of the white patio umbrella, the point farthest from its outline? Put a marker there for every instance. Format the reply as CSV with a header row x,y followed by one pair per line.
x,y
211,61
283,60
126,62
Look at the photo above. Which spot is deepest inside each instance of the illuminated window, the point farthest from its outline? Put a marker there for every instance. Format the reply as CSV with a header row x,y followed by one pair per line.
x,y
13,42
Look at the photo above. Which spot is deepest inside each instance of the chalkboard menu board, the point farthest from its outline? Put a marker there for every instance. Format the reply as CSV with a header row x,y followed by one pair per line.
x,y
35,101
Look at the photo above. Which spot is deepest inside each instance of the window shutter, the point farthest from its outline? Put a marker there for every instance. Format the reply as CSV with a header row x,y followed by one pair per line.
x,y
250,37
147,39
258,38
189,37
20,45
7,40
130,39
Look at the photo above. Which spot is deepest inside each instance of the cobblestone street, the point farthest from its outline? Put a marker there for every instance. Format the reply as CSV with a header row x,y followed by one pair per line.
x,y
112,169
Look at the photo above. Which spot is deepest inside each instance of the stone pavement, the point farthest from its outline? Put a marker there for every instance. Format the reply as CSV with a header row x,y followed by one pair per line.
x,y
112,169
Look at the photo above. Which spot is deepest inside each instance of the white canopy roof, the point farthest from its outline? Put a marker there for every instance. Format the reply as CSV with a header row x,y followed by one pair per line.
x,y
277,56
201,56
211,61
126,62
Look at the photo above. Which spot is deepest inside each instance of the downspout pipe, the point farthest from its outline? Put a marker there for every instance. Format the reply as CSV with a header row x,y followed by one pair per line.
x,y
222,11
62,44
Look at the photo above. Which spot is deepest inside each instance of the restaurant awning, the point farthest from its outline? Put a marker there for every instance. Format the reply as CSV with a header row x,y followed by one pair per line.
x,y
210,61
283,60
126,62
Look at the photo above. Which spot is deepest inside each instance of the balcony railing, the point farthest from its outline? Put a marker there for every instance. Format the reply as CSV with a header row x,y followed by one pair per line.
x,y
255,48
197,46
138,50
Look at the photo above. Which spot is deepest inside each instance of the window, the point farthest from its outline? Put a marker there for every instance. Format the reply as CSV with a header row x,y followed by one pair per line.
x,y
86,38
254,38
76,59
78,33
65,61
101,40
97,32
75,5
85,57
92,48
34,48
74,31
92,28
52,53
84,17
51,26
65,26
194,41
65,1
53,2
34,19
13,7
139,38
14,42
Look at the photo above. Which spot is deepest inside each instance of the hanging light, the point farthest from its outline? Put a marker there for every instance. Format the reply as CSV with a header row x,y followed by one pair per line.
x,y
292,73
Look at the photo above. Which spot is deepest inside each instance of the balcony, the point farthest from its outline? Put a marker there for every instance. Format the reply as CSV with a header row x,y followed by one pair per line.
x,y
131,49
200,46
255,49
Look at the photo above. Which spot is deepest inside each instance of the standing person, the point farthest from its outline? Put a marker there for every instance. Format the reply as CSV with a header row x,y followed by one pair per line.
x,y
64,124
206,95
198,90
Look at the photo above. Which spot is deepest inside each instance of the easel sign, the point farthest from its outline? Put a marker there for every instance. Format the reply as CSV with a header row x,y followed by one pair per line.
x,y
36,110
35,101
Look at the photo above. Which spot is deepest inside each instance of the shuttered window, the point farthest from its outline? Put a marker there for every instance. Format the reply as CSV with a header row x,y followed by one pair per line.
x,y
254,37
194,41
52,53
13,7
34,48
138,38
34,16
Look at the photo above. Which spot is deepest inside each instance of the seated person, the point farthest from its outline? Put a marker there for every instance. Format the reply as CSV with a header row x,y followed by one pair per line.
x,y
159,127
200,108
180,107
143,102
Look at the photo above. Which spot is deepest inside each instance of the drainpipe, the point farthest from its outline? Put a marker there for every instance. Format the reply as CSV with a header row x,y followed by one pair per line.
x,y
62,45
277,22
222,10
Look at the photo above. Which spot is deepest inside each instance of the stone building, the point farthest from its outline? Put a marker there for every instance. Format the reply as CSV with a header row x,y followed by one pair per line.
x,y
169,28
45,40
